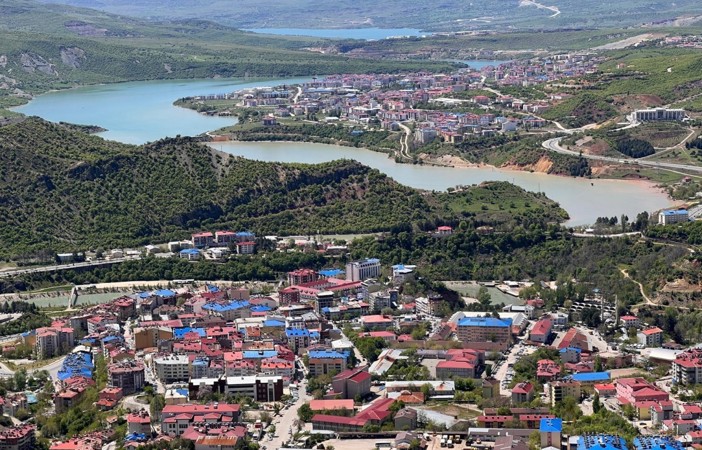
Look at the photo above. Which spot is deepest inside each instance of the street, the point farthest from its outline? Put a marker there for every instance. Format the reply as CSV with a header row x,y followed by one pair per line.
x,y
284,422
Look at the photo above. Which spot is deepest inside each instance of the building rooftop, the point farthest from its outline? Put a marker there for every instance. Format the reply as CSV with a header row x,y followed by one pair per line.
x,y
601,442
484,322
657,443
551,425
591,377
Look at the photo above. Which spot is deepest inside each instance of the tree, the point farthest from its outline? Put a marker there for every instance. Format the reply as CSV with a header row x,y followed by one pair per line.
x,y
596,405
305,413
598,364
426,391
265,417
20,379
156,406
484,297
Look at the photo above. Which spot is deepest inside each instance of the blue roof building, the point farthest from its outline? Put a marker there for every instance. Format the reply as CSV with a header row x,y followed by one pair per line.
x,y
673,216
320,354
166,293
294,332
491,322
260,354
601,442
179,333
657,443
551,425
223,307
76,364
570,349
260,308
592,377
330,273
273,323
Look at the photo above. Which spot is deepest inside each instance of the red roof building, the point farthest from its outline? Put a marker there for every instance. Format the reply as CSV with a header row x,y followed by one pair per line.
x,y
547,370
541,331
633,390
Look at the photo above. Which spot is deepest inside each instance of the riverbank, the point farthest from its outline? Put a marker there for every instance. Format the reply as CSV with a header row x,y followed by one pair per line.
x,y
450,161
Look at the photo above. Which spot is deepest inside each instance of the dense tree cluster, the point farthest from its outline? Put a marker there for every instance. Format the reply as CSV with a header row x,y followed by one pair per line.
x,y
636,148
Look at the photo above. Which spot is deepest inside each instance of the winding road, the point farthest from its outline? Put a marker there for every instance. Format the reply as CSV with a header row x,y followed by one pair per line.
x,y
554,144
404,142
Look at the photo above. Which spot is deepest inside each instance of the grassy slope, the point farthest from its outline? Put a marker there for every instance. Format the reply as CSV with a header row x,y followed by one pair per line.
x,y
64,190
669,74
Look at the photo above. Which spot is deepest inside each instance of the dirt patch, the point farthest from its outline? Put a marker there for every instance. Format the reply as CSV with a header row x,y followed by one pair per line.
x,y
681,285
446,160
543,165
596,147
629,103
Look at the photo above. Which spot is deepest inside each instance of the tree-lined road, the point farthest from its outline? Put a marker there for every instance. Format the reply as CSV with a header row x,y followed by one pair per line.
x,y
57,267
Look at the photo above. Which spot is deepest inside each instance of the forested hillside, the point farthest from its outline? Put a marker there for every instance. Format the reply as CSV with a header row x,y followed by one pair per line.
x,y
61,189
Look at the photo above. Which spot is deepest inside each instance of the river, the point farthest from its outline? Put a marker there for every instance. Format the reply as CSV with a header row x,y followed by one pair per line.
x,y
140,112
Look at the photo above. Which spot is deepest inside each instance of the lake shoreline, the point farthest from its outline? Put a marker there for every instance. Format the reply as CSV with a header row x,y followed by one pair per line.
x,y
456,162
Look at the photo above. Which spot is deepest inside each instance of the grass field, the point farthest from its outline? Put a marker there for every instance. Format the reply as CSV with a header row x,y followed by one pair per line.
x,y
661,135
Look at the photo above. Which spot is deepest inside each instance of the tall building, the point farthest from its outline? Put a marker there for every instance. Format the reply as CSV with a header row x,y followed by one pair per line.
x,y
128,375
559,390
172,368
300,276
363,270
647,115
550,431
18,437
687,367
671,216
484,329
53,341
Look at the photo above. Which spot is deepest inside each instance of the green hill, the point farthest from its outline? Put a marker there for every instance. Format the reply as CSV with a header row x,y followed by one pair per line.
x,y
62,189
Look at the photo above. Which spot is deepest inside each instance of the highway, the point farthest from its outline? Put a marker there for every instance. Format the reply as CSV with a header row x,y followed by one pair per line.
x,y
57,267
554,145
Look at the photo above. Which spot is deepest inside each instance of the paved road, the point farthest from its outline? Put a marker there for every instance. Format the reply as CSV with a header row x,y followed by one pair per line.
x,y
57,267
284,423
404,142
608,236
554,145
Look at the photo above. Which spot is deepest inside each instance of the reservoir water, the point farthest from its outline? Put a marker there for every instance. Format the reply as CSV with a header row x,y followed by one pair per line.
x,y
143,111
367,34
